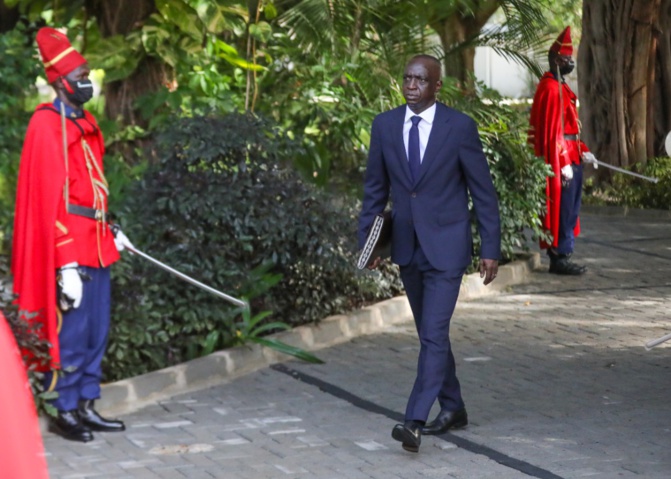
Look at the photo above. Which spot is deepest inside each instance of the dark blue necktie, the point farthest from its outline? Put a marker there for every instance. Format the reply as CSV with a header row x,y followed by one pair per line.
x,y
413,148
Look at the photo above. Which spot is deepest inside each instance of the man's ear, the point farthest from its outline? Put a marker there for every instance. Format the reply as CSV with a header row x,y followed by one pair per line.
x,y
58,85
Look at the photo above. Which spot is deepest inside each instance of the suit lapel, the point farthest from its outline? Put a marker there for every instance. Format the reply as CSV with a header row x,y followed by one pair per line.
x,y
399,144
439,132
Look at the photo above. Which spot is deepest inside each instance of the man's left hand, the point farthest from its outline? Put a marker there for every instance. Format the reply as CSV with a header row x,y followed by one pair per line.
x,y
488,270
589,157
122,242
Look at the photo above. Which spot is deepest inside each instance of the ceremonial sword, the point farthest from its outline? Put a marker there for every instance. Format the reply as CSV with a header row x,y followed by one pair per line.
x,y
189,279
655,342
238,302
626,172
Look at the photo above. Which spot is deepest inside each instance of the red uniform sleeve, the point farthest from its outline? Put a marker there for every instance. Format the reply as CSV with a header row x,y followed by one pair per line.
x,y
583,148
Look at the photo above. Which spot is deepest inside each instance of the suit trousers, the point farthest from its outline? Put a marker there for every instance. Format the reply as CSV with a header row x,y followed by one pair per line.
x,y
433,296
82,340
569,210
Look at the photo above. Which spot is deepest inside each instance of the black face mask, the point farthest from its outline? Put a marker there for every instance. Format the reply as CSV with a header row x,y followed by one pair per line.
x,y
567,68
82,91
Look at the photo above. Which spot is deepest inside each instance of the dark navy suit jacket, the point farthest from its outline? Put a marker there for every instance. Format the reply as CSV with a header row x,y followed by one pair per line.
x,y
435,207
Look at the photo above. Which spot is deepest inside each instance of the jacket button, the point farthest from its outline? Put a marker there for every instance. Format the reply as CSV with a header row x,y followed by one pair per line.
x,y
414,195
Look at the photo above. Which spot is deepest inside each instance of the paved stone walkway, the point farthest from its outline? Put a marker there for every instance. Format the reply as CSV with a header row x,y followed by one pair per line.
x,y
554,372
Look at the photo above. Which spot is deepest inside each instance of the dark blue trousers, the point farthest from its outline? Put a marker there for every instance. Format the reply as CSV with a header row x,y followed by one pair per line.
x,y
432,295
569,210
83,338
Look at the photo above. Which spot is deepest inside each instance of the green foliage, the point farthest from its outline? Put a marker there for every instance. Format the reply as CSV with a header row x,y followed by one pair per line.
x,y
323,104
222,205
519,177
34,348
626,190
562,13
252,329
18,69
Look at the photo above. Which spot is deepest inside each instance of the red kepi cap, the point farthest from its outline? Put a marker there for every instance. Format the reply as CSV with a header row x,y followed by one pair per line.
x,y
563,44
58,56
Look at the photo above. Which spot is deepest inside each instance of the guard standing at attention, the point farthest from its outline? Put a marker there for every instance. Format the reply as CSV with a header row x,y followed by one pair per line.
x,y
555,135
63,245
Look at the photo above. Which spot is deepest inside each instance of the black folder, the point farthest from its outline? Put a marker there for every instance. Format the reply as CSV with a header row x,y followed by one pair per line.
x,y
378,241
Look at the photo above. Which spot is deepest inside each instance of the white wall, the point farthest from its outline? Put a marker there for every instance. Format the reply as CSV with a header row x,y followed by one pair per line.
x,y
508,77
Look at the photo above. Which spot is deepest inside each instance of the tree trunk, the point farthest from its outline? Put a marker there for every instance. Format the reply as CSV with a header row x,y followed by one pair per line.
x,y
457,28
661,107
621,79
120,17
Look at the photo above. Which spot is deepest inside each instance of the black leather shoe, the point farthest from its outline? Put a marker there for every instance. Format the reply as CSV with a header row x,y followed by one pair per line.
x,y
562,265
445,421
95,421
69,426
409,435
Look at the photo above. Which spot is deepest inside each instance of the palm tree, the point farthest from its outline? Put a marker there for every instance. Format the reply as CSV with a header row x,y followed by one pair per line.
x,y
384,33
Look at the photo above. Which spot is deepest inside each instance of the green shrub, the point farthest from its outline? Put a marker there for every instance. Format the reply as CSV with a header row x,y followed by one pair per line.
x,y
34,348
519,177
18,70
224,205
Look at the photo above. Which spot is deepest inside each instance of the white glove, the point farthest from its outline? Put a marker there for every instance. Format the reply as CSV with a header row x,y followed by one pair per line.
x,y
567,172
71,283
122,242
588,157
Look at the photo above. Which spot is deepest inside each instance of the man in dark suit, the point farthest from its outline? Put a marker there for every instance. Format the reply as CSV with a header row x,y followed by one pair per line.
x,y
430,157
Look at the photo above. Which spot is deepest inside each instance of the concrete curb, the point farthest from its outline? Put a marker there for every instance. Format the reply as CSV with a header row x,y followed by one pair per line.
x,y
626,211
128,395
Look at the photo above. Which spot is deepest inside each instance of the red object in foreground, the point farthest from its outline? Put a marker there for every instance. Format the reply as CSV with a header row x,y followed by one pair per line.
x,y
21,448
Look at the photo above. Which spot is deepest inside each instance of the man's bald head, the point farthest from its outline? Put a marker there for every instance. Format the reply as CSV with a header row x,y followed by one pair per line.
x,y
421,82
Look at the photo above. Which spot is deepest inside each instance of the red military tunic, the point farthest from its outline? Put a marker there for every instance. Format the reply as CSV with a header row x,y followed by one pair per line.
x,y
547,136
46,237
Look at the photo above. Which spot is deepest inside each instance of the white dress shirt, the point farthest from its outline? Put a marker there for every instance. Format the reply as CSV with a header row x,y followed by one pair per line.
x,y
424,127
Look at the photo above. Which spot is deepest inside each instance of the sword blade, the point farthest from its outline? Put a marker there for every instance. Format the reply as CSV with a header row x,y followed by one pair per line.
x,y
656,342
189,279
627,172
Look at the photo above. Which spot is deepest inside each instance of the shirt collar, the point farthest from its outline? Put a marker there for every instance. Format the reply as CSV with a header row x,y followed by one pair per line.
x,y
427,115
69,111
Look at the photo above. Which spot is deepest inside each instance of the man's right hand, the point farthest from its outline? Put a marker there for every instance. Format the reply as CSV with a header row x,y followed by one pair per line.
x,y
71,283
566,175
374,264
567,172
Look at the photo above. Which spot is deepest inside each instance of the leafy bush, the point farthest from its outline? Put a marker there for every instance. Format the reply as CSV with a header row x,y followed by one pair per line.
x,y
222,206
626,190
519,177
18,69
34,348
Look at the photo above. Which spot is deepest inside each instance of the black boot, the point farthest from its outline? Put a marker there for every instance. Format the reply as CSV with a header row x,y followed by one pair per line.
x,y
69,425
561,264
95,421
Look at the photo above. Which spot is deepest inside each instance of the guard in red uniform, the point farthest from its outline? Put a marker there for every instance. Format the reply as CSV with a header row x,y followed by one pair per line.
x,y
555,135
63,245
